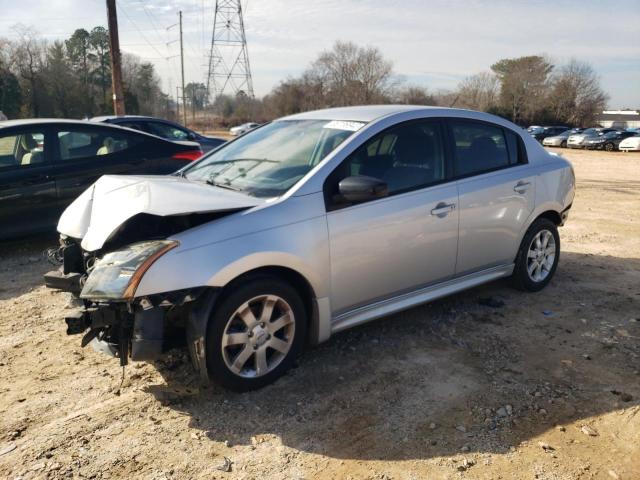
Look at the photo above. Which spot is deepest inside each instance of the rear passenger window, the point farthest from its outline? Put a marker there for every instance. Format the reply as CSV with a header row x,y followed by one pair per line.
x,y
91,143
513,146
479,147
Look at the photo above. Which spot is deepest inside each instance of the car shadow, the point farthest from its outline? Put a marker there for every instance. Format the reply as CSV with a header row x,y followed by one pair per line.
x,y
451,376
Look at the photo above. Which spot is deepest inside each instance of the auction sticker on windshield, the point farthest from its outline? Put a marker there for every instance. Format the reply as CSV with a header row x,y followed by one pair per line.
x,y
344,125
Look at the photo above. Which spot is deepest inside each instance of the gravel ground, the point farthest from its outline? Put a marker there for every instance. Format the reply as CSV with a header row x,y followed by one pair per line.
x,y
546,386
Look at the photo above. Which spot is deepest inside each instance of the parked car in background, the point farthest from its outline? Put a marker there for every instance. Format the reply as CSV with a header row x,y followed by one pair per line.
x,y
244,128
162,128
559,140
608,141
46,164
310,225
630,144
577,140
541,133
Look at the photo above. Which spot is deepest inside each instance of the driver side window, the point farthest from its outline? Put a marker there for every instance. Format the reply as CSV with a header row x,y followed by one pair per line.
x,y
23,149
406,157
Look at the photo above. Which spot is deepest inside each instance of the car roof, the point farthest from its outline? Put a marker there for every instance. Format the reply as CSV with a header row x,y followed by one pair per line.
x,y
364,113
40,121
104,118
82,123
53,121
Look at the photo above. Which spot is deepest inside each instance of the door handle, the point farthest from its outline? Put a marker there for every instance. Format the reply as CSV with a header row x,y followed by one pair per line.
x,y
521,187
442,209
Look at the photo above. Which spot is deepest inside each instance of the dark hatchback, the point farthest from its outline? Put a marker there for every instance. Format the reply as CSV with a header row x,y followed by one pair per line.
x,y
540,133
162,128
46,164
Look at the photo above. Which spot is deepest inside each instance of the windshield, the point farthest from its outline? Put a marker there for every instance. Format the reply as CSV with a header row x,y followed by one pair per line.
x,y
268,161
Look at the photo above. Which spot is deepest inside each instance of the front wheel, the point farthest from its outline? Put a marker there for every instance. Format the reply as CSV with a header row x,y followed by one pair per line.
x,y
563,144
255,334
537,257
609,147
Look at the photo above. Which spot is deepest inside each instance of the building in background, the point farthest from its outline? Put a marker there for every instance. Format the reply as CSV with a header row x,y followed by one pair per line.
x,y
619,119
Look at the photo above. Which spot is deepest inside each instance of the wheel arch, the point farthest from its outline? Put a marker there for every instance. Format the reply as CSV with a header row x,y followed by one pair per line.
x,y
552,215
294,278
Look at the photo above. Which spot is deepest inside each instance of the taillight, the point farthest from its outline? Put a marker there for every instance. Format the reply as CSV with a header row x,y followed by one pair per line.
x,y
187,155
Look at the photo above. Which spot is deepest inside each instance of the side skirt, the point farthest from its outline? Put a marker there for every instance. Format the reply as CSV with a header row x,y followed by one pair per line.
x,y
407,300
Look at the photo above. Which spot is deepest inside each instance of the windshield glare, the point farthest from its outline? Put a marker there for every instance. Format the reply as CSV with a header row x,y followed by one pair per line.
x,y
268,161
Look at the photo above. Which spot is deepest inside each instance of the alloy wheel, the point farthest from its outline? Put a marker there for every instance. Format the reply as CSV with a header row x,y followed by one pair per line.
x,y
258,336
541,255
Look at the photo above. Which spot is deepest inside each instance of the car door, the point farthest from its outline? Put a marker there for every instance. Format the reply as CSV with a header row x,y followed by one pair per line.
x,y
27,184
496,193
406,240
85,153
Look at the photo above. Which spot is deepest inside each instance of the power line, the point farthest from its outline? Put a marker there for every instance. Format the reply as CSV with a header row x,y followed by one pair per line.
x,y
139,31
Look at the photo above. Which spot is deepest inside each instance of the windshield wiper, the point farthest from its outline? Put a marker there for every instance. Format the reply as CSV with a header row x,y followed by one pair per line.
x,y
223,185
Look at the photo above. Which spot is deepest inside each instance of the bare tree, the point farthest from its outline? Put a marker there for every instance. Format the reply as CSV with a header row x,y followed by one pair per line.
x,y
28,58
576,96
479,92
414,95
352,75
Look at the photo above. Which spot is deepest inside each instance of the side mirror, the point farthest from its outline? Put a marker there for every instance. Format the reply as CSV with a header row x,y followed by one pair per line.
x,y
360,188
191,136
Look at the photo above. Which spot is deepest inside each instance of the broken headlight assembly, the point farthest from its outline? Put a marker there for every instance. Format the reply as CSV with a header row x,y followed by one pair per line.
x,y
116,275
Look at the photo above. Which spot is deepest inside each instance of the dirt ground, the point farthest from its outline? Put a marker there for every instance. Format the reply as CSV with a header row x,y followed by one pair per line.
x,y
545,387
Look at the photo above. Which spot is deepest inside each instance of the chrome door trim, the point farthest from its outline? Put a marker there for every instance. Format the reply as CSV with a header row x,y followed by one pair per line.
x,y
404,301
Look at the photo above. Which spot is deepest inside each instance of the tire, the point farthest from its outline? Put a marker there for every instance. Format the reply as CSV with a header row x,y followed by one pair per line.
x,y
609,147
237,321
522,279
563,144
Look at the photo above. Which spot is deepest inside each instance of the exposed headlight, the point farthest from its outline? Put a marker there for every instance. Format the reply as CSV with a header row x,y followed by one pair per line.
x,y
116,275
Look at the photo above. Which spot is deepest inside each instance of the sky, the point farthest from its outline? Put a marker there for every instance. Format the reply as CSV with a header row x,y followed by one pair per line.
x,y
432,43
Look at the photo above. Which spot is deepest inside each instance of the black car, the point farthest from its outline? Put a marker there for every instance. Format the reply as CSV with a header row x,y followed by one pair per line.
x,y
540,133
608,141
162,128
46,164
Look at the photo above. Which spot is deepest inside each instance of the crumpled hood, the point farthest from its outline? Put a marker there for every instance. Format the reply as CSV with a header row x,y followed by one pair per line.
x,y
113,199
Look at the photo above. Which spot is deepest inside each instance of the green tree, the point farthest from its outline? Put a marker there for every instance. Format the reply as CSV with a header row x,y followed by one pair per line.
x,y
523,86
99,56
61,82
10,94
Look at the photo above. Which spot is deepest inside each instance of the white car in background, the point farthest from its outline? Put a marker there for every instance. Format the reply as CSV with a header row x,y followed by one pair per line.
x,y
631,144
242,129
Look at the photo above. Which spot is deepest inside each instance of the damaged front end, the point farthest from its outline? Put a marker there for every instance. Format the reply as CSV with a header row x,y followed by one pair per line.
x,y
109,315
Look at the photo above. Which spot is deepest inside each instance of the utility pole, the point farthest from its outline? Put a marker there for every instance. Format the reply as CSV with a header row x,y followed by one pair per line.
x,y
184,100
114,49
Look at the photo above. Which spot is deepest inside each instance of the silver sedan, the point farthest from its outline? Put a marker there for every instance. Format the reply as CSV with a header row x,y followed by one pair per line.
x,y
307,226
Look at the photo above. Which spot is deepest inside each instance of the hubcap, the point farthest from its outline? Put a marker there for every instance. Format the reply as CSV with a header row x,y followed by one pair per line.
x,y
541,255
258,336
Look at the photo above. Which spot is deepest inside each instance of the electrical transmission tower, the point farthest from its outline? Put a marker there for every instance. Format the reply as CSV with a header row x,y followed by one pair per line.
x,y
229,69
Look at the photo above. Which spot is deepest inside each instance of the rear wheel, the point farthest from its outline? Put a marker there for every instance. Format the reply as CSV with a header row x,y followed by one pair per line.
x,y
255,334
563,144
609,147
537,257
